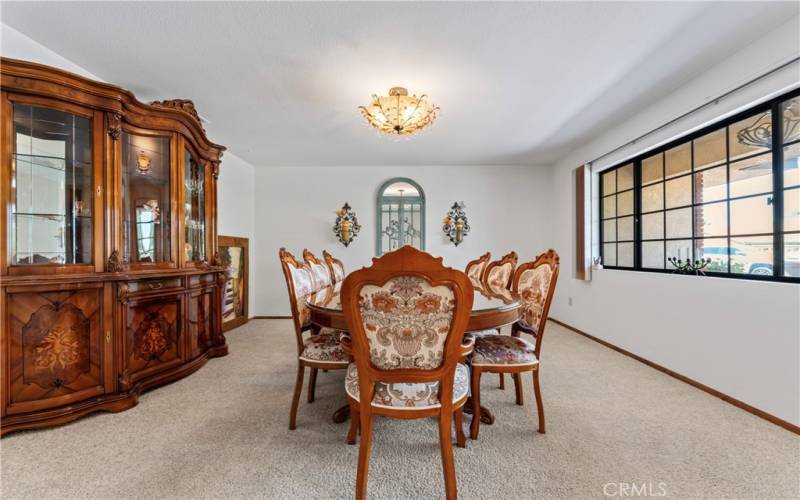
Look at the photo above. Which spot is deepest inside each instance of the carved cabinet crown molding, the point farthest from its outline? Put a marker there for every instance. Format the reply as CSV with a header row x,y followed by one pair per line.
x,y
114,124
183,104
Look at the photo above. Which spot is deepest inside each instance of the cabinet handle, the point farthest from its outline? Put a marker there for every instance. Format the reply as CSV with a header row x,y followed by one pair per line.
x,y
99,191
108,337
155,286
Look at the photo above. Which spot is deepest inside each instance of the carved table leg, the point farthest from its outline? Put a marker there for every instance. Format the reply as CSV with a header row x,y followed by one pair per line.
x,y
342,414
487,417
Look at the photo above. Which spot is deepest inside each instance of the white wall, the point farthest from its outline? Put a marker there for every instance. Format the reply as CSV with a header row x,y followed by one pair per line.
x,y
506,206
16,45
739,337
236,208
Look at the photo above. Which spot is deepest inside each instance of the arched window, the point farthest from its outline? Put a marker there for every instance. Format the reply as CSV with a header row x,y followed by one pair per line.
x,y
401,215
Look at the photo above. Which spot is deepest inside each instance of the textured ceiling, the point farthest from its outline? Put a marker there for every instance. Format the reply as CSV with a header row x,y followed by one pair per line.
x,y
517,83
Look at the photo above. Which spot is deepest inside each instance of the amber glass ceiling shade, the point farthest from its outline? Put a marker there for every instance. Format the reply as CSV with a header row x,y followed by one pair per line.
x,y
399,114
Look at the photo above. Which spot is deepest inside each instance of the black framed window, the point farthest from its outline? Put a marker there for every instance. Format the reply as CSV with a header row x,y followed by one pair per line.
x,y
728,193
617,216
790,182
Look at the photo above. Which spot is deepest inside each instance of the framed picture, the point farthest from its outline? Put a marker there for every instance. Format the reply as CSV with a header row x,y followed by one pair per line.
x,y
233,252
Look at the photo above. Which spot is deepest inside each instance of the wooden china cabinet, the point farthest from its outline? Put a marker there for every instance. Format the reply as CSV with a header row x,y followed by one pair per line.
x,y
109,275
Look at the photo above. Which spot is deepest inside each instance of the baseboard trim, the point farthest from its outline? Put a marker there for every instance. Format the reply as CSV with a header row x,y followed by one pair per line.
x,y
270,317
735,402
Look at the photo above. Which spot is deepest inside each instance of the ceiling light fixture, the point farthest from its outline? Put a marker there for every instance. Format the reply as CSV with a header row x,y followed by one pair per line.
x,y
398,113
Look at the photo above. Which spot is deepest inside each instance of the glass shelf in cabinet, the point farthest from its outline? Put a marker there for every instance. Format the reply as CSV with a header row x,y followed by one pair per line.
x,y
52,162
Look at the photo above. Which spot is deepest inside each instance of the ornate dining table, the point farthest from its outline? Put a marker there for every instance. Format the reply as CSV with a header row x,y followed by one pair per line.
x,y
491,309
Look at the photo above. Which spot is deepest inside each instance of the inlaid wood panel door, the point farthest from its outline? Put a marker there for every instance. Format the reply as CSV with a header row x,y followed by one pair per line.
x,y
152,336
56,346
200,320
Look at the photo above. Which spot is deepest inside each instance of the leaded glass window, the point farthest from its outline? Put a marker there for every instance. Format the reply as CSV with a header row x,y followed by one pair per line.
x,y
401,215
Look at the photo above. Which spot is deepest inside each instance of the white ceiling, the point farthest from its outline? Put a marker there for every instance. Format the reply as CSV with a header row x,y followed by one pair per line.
x,y
517,83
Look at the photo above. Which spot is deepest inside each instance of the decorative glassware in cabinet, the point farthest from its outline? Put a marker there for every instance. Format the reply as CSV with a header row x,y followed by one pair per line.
x,y
194,206
51,192
145,198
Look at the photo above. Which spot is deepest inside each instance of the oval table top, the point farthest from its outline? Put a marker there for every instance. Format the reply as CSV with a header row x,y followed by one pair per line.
x,y
490,308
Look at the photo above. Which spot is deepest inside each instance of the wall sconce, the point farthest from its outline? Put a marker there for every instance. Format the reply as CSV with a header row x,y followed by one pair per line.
x,y
456,225
143,163
346,226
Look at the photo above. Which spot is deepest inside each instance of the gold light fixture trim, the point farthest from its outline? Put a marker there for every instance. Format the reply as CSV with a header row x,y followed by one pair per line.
x,y
399,114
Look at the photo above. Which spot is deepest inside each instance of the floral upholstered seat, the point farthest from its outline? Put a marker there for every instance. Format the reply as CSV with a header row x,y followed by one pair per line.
x,y
499,273
533,287
406,322
325,347
476,268
320,274
303,284
499,277
535,283
481,333
475,273
409,396
320,351
503,350
407,314
338,271
335,267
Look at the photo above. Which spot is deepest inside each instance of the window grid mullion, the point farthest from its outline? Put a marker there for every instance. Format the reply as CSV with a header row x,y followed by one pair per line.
x,y
664,203
602,220
728,192
691,186
637,216
616,212
777,190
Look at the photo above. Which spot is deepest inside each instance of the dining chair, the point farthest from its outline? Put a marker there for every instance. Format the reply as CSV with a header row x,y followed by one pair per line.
x,y
498,275
320,274
335,266
475,268
535,283
320,349
407,314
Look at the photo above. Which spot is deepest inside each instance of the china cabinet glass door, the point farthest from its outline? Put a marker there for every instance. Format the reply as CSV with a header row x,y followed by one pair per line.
x,y
145,199
194,206
51,192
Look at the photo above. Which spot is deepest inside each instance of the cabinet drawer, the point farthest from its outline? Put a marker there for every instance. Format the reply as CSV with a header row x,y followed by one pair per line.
x,y
153,285
202,280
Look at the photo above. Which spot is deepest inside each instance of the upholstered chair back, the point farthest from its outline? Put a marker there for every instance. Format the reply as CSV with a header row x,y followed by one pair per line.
x,y
407,314
335,266
299,284
499,273
477,267
406,321
535,282
320,274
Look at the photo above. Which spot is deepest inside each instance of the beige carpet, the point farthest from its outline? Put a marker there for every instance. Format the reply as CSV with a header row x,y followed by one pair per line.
x,y
222,433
